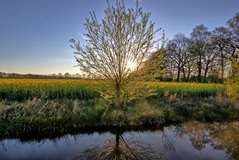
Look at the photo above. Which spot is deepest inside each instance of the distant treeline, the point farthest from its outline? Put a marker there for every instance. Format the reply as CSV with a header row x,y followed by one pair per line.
x,y
42,76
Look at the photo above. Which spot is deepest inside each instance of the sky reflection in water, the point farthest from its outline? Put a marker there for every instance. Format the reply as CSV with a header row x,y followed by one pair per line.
x,y
192,140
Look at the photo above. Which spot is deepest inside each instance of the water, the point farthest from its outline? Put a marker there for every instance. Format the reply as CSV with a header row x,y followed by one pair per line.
x,y
192,140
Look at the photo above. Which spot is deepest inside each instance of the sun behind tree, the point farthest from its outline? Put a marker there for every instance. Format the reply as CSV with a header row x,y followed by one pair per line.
x,y
116,47
132,65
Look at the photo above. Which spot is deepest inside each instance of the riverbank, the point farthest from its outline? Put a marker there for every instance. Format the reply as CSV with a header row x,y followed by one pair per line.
x,y
40,116
43,106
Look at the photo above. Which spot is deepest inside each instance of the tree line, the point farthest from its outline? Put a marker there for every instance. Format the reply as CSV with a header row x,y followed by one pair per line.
x,y
43,76
204,56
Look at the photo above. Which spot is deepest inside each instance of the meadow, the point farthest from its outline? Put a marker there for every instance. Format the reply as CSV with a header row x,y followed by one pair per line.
x,y
52,106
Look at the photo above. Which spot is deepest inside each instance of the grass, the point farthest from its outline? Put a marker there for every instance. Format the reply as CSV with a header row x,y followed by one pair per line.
x,y
39,116
29,106
49,117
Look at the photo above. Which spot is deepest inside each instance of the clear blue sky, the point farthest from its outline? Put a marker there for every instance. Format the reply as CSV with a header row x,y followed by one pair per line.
x,y
34,34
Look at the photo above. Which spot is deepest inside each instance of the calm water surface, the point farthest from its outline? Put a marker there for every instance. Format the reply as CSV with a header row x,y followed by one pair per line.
x,y
192,140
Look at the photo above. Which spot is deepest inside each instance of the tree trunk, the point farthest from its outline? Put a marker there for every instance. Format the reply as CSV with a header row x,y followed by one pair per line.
x,y
188,74
117,146
184,74
222,66
200,69
179,70
205,73
118,97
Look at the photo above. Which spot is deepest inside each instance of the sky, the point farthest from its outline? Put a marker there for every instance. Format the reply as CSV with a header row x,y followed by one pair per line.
x,y
35,34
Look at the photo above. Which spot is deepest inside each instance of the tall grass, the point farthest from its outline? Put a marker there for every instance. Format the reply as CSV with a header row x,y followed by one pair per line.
x,y
38,116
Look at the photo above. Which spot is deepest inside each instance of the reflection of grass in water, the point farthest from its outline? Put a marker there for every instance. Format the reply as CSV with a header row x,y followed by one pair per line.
x,y
120,149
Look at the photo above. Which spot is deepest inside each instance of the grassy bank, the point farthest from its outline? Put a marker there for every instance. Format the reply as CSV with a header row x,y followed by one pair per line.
x,y
39,116
55,106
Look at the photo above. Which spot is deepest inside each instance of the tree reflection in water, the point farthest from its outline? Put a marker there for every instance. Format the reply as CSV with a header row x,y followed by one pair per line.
x,y
209,140
120,148
198,134
221,136
227,136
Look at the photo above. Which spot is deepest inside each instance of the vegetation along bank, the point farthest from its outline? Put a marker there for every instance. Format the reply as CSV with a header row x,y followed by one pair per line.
x,y
55,106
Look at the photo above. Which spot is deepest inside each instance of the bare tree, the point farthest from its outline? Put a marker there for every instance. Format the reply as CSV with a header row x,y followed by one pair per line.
x,y
123,39
178,53
67,75
221,41
233,24
208,60
119,148
200,37
60,75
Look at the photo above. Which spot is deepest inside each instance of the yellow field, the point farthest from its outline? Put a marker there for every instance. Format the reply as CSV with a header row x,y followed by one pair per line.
x,y
23,89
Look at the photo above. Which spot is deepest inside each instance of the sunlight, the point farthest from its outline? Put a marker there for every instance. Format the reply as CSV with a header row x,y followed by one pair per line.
x,y
131,65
